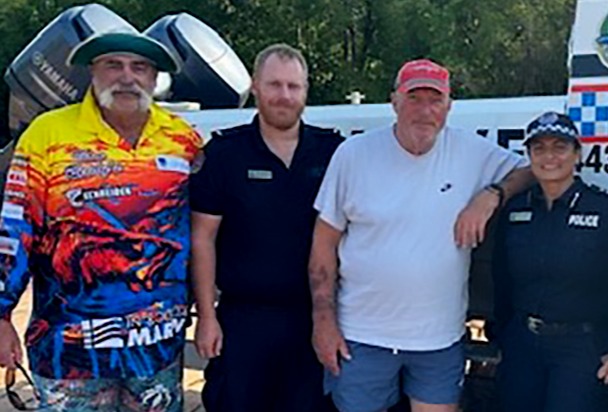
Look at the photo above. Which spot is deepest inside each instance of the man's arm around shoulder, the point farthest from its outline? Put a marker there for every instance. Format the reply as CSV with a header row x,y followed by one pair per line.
x,y
470,227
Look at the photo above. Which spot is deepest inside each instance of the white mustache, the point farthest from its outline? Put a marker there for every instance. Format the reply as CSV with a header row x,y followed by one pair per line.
x,y
105,97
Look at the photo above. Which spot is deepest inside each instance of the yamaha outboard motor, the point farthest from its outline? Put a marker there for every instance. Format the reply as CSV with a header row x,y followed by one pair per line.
x,y
39,79
212,74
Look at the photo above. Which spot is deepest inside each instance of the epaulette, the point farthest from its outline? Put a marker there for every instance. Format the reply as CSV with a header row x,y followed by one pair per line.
x,y
324,130
233,131
222,139
597,189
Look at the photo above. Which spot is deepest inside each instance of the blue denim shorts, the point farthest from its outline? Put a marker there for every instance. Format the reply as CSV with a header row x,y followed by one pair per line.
x,y
375,377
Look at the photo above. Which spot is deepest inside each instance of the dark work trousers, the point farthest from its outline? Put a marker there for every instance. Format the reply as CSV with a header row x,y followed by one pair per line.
x,y
267,363
549,373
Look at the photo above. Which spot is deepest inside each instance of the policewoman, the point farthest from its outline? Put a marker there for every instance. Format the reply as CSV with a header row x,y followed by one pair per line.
x,y
551,280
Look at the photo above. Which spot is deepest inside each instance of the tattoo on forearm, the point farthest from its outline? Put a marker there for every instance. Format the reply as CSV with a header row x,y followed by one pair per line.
x,y
516,181
322,286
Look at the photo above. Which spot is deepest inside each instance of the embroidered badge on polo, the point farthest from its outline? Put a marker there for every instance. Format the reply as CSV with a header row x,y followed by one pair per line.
x,y
591,221
525,216
259,174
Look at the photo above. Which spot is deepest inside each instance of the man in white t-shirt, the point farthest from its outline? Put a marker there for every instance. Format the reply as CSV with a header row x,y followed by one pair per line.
x,y
400,209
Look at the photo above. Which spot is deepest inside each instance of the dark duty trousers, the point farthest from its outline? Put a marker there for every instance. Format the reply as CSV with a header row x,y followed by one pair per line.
x,y
549,373
267,363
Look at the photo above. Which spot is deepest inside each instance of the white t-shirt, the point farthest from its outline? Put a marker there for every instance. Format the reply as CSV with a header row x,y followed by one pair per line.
x,y
403,281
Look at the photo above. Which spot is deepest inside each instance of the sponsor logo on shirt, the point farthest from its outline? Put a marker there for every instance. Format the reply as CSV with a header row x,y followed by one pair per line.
x,y
103,333
79,196
104,169
447,186
87,155
168,163
143,328
8,246
20,161
592,221
16,177
14,193
12,211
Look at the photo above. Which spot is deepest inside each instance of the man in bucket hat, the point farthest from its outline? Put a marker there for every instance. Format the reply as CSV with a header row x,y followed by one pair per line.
x,y
96,212
397,235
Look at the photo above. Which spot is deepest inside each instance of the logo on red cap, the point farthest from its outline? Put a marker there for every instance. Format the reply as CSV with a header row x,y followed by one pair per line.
x,y
423,74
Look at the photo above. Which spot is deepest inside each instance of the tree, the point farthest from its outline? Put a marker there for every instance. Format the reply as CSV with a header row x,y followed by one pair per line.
x,y
493,47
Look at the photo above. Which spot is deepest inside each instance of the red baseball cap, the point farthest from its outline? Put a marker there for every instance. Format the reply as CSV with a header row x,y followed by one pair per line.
x,y
422,73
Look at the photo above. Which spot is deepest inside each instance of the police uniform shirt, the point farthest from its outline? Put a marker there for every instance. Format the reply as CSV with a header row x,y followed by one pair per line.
x,y
553,263
264,239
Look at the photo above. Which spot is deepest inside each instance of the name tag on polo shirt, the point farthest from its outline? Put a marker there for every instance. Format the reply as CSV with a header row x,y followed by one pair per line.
x,y
520,216
169,163
259,174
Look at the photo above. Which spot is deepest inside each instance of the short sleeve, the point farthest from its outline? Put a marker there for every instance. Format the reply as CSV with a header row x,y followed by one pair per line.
x,y
206,188
332,193
499,162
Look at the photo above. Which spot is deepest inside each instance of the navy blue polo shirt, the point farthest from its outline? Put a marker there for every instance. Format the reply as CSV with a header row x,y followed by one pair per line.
x,y
553,263
264,238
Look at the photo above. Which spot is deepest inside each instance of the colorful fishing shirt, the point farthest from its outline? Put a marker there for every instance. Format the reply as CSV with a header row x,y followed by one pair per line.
x,y
103,229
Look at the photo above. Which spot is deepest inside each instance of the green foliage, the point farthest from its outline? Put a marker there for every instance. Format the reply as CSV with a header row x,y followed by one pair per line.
x,y
493,47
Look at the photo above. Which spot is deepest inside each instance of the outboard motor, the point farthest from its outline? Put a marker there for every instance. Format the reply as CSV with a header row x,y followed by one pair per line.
x,y
39,79
212,74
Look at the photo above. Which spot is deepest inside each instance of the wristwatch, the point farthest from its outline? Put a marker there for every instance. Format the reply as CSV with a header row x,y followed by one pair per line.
x,y
497,190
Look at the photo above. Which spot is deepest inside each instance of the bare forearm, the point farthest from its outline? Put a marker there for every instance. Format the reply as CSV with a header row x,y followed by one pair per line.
x,y
323,279
517,181
204,233
203,277
323,271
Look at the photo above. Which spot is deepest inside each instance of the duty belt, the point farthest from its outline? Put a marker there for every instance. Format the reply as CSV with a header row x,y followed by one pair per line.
x,y
539,327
